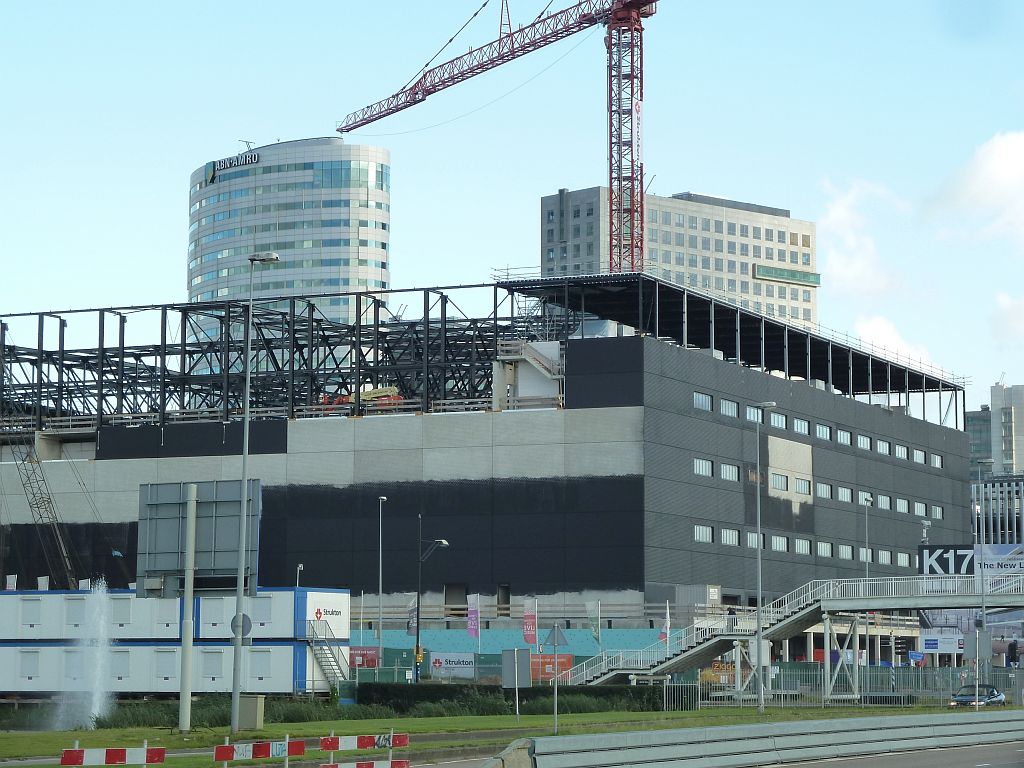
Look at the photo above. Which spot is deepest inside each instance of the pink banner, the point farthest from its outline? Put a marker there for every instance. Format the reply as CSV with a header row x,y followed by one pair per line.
x,y
530,624
473,616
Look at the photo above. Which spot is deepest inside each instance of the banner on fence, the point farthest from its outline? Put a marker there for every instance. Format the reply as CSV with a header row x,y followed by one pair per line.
x,y
530,622
364,656
542,665
445,665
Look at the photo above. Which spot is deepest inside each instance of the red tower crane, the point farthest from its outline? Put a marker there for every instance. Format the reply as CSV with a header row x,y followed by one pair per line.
x,y
624,41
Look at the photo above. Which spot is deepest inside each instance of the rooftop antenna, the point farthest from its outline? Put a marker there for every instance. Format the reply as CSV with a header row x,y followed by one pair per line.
x,y
248,144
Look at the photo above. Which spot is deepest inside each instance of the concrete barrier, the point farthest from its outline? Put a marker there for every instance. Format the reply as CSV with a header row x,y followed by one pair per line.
x,y
743,746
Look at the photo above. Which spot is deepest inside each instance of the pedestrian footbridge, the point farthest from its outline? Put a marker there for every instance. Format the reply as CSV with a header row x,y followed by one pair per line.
x,y
816,602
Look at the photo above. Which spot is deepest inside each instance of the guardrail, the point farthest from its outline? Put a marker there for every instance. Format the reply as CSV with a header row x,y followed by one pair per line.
x,y
742,746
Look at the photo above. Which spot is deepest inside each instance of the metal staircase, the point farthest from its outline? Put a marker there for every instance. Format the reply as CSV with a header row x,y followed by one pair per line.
x,y
322,642
791,614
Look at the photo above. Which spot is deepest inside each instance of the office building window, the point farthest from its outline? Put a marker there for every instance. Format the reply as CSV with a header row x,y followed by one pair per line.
x,y
801,426
780,482
936,461
704,534
823,431
920,509
884,557
778,419
703,467
802,486
863,441
729,472
802,546
824,490
902,505
780,544
824,549
702,401
882,446
864,554
903,559
755,414
730,537
752,542
936,511
883,501
728,407
901,451
843,436
844,494
918,456
845,552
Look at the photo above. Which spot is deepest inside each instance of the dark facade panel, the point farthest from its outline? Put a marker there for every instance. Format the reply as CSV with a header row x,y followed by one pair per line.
x,y
538,536
201,439
675,499
604,373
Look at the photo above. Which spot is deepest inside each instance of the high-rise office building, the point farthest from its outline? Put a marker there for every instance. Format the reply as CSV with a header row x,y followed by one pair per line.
x,y
1006,412
322,205
753,256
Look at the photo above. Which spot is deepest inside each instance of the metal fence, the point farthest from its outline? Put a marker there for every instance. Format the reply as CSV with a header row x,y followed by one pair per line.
x,y
803,686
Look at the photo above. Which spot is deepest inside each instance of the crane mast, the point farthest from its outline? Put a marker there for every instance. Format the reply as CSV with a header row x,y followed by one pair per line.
x,y
624,20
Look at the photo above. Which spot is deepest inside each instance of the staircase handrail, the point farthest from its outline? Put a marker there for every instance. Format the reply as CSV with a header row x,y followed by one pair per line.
x,y
708,629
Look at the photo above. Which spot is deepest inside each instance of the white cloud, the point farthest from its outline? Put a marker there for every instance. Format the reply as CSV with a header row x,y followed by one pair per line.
x,y
850,260
881,332
1008,319
991,187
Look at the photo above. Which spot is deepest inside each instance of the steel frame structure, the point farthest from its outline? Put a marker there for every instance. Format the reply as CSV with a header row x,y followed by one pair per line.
x,y
308,365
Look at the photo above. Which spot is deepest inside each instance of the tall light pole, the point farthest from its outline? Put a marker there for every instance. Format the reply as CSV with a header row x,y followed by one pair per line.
x,y
380,581
243,517
867,500
979,535
762,407
421,556
298,570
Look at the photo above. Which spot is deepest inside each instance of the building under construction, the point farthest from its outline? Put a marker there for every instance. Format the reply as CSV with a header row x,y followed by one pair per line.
x,y
591,436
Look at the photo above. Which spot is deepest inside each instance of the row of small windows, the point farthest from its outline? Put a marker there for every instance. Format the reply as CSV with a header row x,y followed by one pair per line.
x,y
360,170
298,205
801,486
731,228
664,237
730,537
319,182
280,285
705,402
337,242
285,226
293,264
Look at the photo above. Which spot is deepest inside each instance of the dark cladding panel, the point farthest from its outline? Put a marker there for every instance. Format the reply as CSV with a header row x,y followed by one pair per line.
x,y
604,372
148,441
538,536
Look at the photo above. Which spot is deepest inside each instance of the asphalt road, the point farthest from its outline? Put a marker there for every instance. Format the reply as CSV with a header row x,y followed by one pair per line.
x,y
1009,755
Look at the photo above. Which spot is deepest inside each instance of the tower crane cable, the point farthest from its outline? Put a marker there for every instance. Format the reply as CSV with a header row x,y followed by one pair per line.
x,y
495,100
451,39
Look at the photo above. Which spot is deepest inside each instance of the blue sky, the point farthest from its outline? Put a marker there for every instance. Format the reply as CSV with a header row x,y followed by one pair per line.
x,y
897,127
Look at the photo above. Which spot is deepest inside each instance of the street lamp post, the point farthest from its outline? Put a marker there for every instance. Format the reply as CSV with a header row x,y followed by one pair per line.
x,y
867,500
236,670
420,559
981,539
298,570
380,580
762,407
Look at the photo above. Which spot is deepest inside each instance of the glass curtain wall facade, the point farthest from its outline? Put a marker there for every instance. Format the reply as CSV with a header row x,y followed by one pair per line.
x,y
322,205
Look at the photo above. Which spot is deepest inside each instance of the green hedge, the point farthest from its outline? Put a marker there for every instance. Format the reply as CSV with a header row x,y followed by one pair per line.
x,y
422,700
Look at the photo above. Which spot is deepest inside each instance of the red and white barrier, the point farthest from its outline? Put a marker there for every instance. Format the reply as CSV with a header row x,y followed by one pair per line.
x,y
380,741
114,756
369,764
258,749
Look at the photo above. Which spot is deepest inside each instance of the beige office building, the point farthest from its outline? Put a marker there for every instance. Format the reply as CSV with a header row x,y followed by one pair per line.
x,y
753,256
